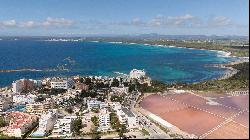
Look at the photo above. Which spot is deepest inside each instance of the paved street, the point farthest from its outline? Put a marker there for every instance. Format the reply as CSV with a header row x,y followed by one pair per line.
x,y
154,131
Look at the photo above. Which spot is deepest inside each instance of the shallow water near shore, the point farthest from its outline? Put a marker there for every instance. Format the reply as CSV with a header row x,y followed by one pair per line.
x,y
101,58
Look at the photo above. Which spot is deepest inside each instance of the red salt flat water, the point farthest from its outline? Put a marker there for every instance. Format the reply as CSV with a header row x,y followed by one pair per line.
x,y
188,98
230,130
192,120
243,118
159,104
239,102
219,110
214,95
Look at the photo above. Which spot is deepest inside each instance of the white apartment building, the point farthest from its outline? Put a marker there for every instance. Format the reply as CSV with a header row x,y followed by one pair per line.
x,y
62,83
46,123
104,121
127,117
137,74
103,105
63,127
17,86
115,105
120,89
23,99
93,104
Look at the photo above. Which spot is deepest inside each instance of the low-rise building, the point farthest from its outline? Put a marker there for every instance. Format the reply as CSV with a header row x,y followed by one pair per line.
x,y
62,83
136,74
39,108
20,123
115,105
119,90
24,99
81,87
140,75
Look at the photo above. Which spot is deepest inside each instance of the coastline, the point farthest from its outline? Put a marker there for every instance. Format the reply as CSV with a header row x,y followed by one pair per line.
x,y
221,53
230,70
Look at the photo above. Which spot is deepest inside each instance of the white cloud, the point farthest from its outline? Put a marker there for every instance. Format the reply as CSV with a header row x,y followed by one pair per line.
x,y
183,21
49,22
8,23
28,24
177,21
57,22
219,21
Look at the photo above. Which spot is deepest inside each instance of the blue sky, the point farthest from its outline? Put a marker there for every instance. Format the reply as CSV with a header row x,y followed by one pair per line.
x,y
171,17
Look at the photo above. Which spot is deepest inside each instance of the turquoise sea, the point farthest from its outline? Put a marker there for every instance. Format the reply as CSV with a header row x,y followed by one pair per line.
x,y
102,58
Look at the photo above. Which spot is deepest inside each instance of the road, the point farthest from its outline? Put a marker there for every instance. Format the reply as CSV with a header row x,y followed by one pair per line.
x,y
154,131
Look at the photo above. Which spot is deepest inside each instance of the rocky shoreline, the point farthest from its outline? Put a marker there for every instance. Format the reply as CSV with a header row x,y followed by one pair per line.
x,y
230,70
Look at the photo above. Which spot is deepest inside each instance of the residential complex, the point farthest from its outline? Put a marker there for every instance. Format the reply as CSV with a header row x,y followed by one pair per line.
x,y
53,106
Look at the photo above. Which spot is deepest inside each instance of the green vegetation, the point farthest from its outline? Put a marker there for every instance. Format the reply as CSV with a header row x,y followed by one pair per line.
x,y
145,132
95,134
96,110
101,85
87,81
77,125
115,98
121,130
239,81
69,110
131,87
95,120
88,94
115,124
176,136
115,83
51,91
2,136
114,121
2,122
203,45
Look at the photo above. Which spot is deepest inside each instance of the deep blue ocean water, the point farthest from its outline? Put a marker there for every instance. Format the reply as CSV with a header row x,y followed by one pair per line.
x,y
101,58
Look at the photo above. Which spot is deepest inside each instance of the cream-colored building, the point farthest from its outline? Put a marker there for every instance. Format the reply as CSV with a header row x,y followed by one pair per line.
x,y
39,108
